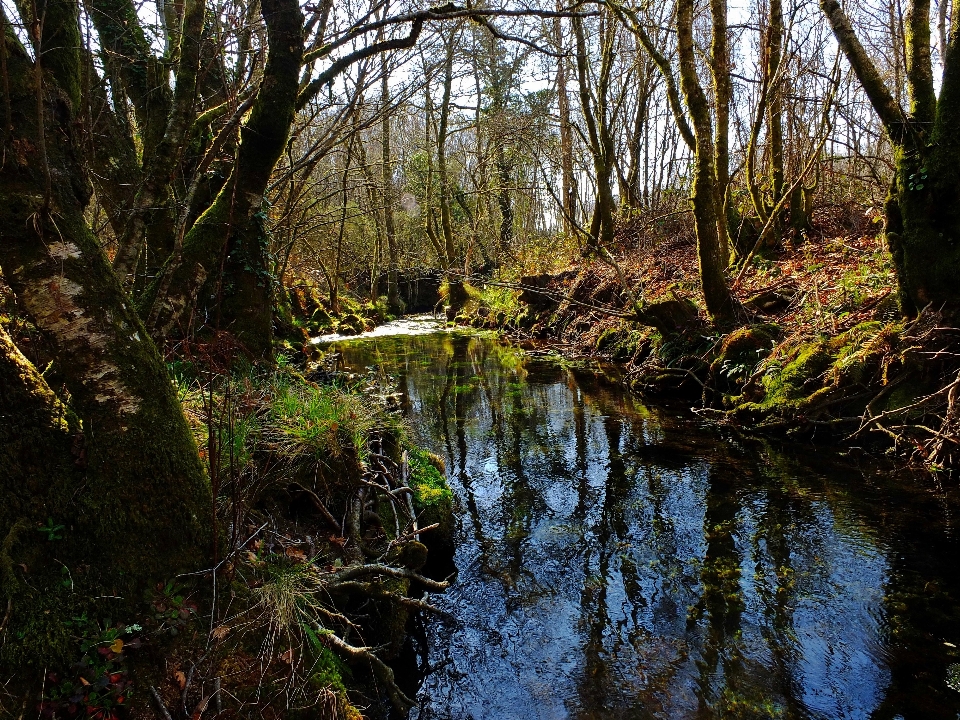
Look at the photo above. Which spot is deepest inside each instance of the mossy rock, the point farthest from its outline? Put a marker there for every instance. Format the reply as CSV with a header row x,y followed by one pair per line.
x,y
748,339
413,555
433,501
321,317
350,325
375,311
771,301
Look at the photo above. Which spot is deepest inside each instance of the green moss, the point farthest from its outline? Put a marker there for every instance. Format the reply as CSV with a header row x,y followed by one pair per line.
x,y
428,483
351,324
749,339
789,386
798,376
433,500
328,672
501,304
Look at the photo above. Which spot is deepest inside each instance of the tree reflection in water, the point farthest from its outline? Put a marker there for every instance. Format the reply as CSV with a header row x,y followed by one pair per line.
x,y
619,562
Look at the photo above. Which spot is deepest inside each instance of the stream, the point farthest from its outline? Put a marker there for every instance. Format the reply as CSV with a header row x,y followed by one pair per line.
x,y
616,560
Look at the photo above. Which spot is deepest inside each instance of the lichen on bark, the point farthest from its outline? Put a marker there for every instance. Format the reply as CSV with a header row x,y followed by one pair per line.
x,y
142,512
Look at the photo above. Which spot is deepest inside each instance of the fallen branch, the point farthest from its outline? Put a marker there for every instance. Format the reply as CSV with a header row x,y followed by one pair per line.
x,y
356,571
382,671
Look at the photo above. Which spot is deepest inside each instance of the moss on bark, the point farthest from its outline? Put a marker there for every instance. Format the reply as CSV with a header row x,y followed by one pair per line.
x,y
235,222
40,474
142,512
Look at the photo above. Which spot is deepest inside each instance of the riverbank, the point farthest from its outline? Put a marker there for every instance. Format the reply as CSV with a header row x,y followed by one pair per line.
x,y
822,351
326,513
331,513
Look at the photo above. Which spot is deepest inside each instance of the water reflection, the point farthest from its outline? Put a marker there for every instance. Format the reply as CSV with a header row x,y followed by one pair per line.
x,y
620,563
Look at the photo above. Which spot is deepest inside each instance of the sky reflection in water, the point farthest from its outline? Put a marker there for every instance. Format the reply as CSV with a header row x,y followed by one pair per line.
x,y
616,562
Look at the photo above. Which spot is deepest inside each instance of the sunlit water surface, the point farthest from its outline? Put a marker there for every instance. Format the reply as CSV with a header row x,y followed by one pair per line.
x,y
616,561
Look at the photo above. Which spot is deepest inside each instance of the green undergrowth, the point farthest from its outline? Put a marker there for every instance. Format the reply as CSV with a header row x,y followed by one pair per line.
x,y
278,437
280,414
490,306
802,374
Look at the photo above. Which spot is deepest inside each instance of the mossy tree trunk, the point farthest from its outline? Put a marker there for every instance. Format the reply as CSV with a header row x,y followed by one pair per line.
x,y
568,190
923,207
456,294
389,195
695,126
236,222
594,105
716,292
143,513
722,93
152,212
41,474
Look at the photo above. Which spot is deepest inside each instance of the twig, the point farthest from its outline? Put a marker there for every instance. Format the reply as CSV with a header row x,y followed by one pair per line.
x,y
234,552
318,504
356,571
164,713
887,413
186,689
380,669
415,533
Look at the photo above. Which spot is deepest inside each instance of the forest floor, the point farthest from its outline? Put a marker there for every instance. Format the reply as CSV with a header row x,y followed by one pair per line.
x,y
822,350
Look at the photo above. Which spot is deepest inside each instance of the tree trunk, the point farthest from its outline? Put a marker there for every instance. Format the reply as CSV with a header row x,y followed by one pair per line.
x,y
722,90
923,207
456,295
39,475
504,182
716,293
390,229
236,221
141,462
598,133
567,187
775,110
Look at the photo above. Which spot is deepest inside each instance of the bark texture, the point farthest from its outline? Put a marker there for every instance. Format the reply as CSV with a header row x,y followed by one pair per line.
x,y
923,207
142,514
236,221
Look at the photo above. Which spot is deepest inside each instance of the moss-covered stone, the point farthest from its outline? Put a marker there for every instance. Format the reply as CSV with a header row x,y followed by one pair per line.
x,y
351,324
433,501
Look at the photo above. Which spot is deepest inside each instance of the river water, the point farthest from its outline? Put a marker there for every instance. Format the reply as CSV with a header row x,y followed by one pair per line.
x,y
619,561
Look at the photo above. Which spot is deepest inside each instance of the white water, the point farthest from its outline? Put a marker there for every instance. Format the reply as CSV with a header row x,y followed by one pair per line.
x,y
410,325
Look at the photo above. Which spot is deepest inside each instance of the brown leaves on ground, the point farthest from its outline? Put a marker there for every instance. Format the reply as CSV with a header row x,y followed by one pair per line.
x,y
825,283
